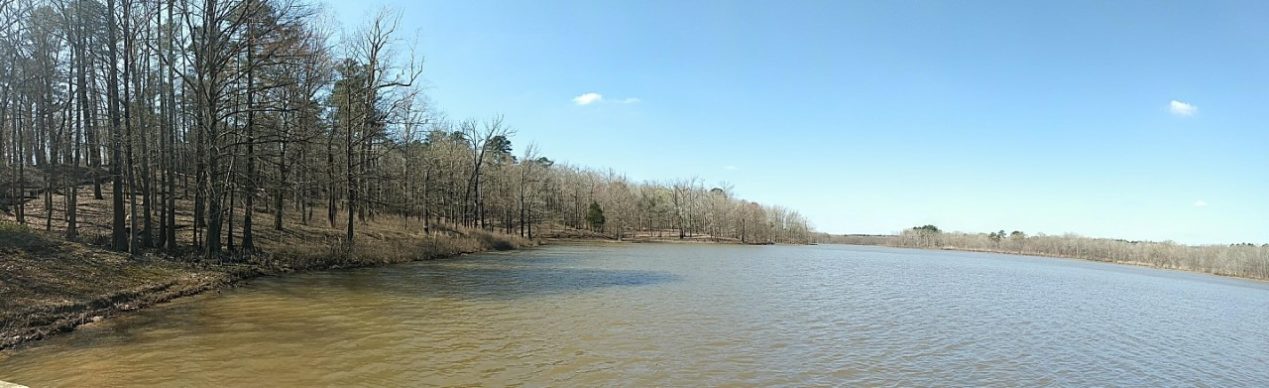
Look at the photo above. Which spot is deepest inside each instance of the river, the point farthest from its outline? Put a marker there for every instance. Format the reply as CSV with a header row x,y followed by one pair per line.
x,y
686,315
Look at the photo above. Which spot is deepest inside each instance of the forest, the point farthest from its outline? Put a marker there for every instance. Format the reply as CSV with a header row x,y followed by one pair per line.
x,y
197,123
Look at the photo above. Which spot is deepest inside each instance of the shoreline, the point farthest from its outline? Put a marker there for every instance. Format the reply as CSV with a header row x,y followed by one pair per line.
x,y
31,323
26,325
1136,264
195,278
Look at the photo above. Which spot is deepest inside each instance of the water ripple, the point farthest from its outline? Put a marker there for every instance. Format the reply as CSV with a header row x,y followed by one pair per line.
x,y
688,315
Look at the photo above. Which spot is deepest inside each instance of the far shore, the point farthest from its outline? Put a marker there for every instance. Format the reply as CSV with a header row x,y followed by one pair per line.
x,y
1128,263
1065,257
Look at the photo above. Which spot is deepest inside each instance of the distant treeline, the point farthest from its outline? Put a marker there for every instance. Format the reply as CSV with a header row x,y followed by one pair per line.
x,y
1241,260
243,107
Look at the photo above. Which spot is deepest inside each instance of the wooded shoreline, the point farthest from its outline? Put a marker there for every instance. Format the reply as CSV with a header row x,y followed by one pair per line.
x,y
1244,261
163,149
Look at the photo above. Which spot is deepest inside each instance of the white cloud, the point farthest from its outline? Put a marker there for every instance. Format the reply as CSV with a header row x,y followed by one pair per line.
x,y
1200,203
730,168
592,98
588,98
1181,108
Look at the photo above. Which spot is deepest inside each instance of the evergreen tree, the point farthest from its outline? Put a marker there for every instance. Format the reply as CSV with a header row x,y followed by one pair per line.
x,y
595,216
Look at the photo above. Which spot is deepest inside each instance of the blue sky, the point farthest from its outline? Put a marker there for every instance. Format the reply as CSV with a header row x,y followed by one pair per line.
x,y
1127,119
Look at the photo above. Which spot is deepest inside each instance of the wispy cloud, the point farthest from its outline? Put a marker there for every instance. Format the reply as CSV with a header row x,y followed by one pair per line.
x,y
1200,203
595,98
588,98
730,168
1181,108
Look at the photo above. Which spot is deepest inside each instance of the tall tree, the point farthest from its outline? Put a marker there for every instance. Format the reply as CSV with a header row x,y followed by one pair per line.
x,y
118,231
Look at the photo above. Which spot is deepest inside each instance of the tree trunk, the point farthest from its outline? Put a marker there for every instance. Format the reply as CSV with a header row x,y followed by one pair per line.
x,y
249,194
172,125
352,183
118,232
128,75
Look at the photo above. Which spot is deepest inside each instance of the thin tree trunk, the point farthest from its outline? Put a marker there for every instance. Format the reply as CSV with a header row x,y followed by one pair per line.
x,y
249,193
128,75
352,182
119,237
143,123
170,162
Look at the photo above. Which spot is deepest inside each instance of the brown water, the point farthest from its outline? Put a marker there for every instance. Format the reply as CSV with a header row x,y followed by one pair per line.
x,y
687,315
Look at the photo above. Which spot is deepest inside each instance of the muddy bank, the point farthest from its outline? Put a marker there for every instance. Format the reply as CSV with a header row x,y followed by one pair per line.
x,y
50,286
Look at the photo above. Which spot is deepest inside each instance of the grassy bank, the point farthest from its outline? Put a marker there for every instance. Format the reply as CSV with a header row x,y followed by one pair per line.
x,y
49,285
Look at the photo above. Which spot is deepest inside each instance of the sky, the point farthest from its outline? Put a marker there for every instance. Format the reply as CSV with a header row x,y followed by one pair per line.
x,y
1141,120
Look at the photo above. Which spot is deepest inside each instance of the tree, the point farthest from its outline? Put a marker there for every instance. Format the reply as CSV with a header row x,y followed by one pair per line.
x,y
527,173
995,237
927,228
119,233
925,236
482,139
370,57
1018,238
240,106
595,217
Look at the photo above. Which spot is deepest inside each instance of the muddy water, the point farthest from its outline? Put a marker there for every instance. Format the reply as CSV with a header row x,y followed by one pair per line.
x,y
687,315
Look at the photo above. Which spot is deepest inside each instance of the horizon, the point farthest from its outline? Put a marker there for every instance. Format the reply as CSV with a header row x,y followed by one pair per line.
x,y
1130,121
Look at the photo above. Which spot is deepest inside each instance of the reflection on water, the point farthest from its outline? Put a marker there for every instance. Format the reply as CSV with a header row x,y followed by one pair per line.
x,y
669,314
498,280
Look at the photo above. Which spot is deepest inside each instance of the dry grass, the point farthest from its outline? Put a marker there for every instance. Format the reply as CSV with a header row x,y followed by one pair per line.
x,y
49,285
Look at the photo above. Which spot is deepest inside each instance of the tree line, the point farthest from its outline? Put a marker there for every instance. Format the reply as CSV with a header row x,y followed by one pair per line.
x,y
229,110
1242,260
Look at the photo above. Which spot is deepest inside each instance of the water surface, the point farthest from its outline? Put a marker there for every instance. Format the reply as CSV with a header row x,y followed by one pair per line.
x,y
687,315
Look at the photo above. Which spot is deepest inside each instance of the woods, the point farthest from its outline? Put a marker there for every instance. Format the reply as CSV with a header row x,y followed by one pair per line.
x,y
200,117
